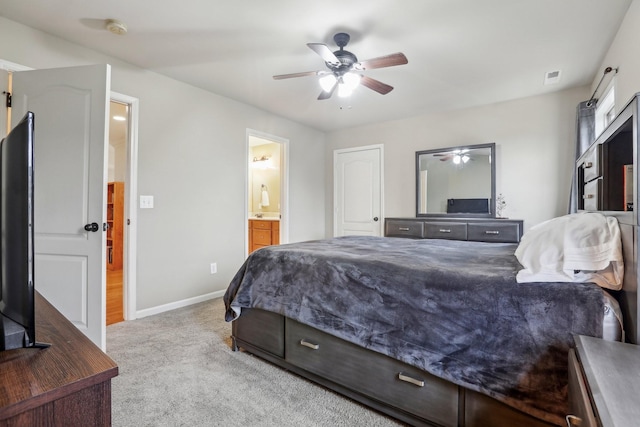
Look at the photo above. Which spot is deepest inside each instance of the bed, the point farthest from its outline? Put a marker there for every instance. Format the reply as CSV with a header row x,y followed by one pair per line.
x,y
431,332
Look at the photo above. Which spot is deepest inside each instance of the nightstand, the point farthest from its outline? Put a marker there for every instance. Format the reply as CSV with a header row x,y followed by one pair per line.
x,y
604,383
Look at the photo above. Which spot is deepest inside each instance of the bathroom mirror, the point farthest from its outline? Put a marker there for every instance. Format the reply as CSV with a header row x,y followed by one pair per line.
x,y
456,181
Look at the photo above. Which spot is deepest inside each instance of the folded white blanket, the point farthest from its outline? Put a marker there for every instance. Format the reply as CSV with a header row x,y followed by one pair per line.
x,y
582,247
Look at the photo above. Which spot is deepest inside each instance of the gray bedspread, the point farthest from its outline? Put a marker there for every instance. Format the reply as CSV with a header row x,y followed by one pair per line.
x,y
451,308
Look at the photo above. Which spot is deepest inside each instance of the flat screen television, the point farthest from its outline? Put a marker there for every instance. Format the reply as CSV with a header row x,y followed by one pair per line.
x,y
17,292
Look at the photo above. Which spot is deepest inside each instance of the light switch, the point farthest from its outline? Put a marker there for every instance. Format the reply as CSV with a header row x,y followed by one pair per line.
x,y
146,202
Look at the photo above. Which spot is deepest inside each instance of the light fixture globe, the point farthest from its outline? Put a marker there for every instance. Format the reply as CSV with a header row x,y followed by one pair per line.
x,y
327,82
344,90
351,80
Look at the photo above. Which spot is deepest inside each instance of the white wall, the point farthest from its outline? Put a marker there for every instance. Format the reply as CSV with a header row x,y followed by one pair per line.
x,y
193,160
623,54
534,142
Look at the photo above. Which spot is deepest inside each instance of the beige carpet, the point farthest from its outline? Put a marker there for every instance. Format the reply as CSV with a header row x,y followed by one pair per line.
x,y
177,369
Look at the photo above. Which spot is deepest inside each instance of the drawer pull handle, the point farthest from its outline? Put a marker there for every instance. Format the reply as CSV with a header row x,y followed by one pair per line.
x,y
588,196
311,345
403,228
406,378
587,165
492,232
445,230
573,421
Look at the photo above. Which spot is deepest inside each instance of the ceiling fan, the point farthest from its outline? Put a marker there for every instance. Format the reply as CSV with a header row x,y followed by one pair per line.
x,y
457,156
344,69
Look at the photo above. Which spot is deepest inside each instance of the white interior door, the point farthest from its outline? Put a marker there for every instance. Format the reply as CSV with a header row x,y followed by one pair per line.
x,y
4,88
71,106
358,191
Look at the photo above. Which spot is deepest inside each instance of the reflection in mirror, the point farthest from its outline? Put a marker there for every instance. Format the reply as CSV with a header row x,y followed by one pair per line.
x,y
457,181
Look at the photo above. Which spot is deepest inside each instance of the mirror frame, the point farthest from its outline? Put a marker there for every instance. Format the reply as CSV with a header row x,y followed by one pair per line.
x,y
492,201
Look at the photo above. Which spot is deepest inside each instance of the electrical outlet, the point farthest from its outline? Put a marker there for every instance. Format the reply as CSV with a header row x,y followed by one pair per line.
x,y
214,268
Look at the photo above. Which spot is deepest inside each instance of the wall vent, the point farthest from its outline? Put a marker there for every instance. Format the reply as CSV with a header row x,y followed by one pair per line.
x,y
551,77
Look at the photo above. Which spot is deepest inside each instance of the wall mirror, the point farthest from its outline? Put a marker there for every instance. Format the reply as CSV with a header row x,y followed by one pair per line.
x,y
456,181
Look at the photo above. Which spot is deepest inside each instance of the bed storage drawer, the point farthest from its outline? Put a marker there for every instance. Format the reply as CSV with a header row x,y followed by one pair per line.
x,y
502,232
397,228
372,374
483,411
445,230
260,328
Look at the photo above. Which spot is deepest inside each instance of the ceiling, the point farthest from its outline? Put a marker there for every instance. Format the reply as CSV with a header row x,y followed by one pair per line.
x,y
461,53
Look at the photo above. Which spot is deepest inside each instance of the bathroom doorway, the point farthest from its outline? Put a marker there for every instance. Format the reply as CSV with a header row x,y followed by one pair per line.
x,y
121,209
266,191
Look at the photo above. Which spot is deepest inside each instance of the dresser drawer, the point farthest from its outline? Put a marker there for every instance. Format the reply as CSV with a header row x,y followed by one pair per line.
x,y
592,196
372,374
499,232
260,225
394,228
591,164
445,230
580,410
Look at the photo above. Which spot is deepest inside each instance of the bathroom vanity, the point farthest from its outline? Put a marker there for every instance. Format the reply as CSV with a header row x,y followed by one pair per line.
x,y
263,232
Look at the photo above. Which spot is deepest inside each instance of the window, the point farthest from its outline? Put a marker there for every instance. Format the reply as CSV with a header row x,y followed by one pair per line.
x,y
606,108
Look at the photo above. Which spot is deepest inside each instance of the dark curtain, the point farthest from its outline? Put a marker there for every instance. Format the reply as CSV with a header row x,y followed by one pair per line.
x,y
585,135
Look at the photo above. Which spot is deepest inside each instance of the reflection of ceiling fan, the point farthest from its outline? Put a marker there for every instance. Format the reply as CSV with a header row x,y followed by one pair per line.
x,y
456,156
344,69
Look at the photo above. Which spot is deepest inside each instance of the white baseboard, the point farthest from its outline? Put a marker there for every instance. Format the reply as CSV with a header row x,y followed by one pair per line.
x,y
178,304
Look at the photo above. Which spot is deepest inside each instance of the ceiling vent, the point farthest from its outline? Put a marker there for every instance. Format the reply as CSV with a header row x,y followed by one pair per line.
x,y
551,77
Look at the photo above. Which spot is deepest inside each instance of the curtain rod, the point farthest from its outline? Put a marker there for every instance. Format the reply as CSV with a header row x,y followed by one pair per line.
x,y
606,71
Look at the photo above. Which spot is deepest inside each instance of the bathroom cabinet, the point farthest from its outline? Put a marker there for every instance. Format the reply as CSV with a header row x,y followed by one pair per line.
x,y
263,232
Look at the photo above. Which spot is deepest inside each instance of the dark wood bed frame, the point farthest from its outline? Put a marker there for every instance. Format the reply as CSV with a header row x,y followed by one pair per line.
x,y
385,384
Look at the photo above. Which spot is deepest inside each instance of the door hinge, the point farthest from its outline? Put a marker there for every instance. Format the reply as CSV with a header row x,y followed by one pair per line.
x,y
8,95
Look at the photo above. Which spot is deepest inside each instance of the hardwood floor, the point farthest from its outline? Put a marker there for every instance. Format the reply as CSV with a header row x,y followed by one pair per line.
x,y
115,311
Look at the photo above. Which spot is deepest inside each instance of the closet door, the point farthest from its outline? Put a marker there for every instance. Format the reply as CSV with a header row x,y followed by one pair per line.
x,y
358,191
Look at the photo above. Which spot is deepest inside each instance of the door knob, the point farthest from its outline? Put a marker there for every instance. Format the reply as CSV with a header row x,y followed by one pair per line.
x,y
92,227
375,218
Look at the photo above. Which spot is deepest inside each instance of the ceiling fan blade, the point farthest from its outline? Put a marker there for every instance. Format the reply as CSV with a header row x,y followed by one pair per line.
x,y
324,52
383,61
376,85
327,95
302,74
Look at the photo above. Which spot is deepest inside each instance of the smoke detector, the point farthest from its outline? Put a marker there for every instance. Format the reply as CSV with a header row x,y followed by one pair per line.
x,y
116,27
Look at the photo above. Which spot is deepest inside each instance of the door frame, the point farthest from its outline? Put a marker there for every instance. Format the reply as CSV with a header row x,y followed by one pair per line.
x,y
130,207
336,153
284,184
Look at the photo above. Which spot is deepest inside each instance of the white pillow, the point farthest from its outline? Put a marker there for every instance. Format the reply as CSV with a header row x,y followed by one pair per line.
x,y
582,247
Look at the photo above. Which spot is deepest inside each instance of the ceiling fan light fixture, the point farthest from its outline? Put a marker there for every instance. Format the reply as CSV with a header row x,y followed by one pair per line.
x,y
351,80
344,69
344,91
327,82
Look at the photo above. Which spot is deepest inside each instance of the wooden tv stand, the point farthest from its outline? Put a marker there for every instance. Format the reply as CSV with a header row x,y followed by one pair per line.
x,y
67,384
